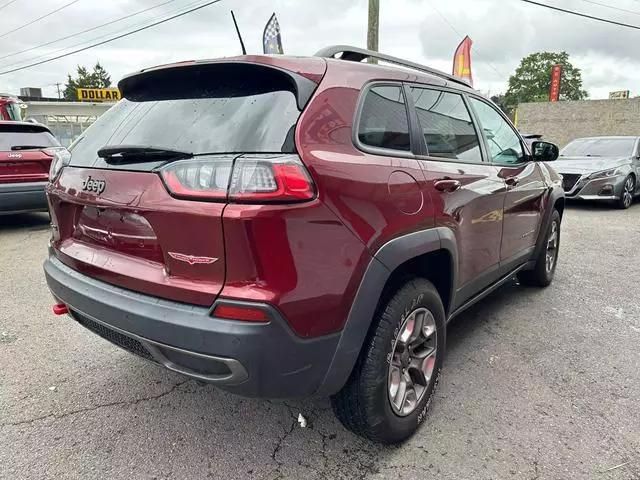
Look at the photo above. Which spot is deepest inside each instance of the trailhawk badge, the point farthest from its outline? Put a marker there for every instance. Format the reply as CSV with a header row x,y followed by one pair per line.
x,y
192,259
92,185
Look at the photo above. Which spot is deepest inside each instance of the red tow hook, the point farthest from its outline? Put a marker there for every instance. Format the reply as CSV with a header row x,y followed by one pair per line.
x,y
60,309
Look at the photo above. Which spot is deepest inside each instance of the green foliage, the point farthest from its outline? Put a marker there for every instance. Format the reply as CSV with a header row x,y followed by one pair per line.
x,y
98,78
532,79
500,101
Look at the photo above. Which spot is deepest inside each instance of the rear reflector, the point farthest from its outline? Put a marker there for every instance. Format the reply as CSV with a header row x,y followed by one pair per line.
x,y
60,309
250,179
245,314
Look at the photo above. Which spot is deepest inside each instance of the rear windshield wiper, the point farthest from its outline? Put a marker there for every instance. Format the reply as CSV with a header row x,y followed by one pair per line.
x,y
28,147
123,154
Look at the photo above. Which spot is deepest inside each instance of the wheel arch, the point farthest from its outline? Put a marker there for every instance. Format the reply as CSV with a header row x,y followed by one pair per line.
x,y
556,201
559,205
427,254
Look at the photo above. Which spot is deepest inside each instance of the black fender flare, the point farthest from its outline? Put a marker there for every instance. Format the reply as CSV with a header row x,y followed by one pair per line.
x,y
381,266
556,194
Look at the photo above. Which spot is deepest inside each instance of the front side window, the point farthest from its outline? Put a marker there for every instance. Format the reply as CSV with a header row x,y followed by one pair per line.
x,y
504,143
446,124
384,122
15,112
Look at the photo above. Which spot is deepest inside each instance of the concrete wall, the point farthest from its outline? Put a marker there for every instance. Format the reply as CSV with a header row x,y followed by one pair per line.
x,y
562,122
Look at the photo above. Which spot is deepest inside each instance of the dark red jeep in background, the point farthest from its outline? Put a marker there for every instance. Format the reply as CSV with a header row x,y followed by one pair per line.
x,y
286,227
26,151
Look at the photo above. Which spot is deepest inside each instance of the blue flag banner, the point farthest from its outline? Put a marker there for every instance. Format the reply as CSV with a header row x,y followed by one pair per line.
x,y
271,39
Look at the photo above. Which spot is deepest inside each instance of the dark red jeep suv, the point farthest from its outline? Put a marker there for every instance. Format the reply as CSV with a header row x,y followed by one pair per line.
x,y
26,152
285,227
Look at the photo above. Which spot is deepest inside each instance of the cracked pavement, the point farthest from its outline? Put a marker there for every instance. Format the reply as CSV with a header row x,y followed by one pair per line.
x,y
536,385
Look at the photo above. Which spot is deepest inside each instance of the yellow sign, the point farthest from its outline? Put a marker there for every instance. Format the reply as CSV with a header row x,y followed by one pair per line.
x,y
98,94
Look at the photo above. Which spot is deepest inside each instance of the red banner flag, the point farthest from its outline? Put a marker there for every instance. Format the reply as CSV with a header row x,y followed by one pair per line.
x,y
556,82
462,61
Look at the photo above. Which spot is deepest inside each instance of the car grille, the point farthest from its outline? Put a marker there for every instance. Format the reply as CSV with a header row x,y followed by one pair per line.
x,y
127,343
569,181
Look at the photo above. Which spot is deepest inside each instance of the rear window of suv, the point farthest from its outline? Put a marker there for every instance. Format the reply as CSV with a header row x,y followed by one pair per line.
x,y
204,114
16,140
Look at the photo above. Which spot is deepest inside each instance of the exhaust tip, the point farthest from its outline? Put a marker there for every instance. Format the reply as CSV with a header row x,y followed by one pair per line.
x,y
60,309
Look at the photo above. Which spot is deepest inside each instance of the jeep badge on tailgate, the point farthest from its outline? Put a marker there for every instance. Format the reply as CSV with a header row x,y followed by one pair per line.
x,y
91,185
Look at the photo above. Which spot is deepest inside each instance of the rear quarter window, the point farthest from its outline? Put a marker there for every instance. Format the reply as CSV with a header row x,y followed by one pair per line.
x,y
384,122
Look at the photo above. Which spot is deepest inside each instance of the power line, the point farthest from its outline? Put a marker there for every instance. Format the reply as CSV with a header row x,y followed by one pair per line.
x,y
459,34
633,12
87,41
39,18
7,4
125,17
571,12
111,39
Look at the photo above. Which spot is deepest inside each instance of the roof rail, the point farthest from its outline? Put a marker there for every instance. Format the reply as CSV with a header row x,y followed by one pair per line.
x,y
355,54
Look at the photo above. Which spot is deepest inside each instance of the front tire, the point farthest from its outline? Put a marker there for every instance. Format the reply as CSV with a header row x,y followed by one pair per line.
x,y
547,261
627,194
391,387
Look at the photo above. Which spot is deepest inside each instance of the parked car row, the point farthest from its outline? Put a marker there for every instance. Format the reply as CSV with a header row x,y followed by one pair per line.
x,y
286,227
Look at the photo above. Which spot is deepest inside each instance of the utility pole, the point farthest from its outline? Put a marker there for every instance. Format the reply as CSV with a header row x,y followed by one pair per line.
x,y
374,23
58,86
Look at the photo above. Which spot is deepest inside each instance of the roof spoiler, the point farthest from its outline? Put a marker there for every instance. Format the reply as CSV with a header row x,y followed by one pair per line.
x,y
28,127
184,80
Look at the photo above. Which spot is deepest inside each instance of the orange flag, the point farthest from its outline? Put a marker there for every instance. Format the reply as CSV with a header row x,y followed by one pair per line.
x,y
462,61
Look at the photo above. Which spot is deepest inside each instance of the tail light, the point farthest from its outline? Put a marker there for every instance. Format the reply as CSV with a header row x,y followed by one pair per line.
x,y
241,313
61,158
247,179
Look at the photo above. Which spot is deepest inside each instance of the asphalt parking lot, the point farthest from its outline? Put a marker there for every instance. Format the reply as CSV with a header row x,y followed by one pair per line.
x,y
537,385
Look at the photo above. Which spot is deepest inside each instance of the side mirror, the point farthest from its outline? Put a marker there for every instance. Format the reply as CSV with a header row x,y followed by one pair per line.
x,y
545,151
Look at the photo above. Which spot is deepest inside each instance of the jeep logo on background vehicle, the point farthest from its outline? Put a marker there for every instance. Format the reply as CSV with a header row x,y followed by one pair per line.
x,y
91,185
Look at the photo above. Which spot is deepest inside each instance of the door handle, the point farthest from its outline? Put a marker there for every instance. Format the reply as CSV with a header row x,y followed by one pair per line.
x,y
447,185
512,181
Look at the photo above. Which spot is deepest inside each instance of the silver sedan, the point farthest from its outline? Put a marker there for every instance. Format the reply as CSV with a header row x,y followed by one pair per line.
x,y
601,168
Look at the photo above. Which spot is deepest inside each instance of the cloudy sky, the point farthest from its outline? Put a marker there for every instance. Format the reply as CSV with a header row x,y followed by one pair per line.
x,y
425,31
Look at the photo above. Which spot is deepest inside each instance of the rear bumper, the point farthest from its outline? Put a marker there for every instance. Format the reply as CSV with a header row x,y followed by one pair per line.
x,y
22,197
265,360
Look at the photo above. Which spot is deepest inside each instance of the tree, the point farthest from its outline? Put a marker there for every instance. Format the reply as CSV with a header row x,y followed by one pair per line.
x,y
98,78
532,79
500,101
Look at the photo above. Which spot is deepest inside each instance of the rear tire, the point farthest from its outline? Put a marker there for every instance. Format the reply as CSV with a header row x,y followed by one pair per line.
x,y
547,260
372,403
627,194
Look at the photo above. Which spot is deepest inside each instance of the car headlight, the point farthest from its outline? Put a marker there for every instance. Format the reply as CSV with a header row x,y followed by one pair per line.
x,y
612,172
61,158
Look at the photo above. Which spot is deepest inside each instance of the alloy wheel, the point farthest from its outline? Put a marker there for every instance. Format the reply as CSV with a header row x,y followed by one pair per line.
x,y
413,361
552,247
627,193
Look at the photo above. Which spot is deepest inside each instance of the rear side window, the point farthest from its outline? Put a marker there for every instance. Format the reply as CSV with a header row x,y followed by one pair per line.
x,y
26,140
384,122
204,110
446,124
